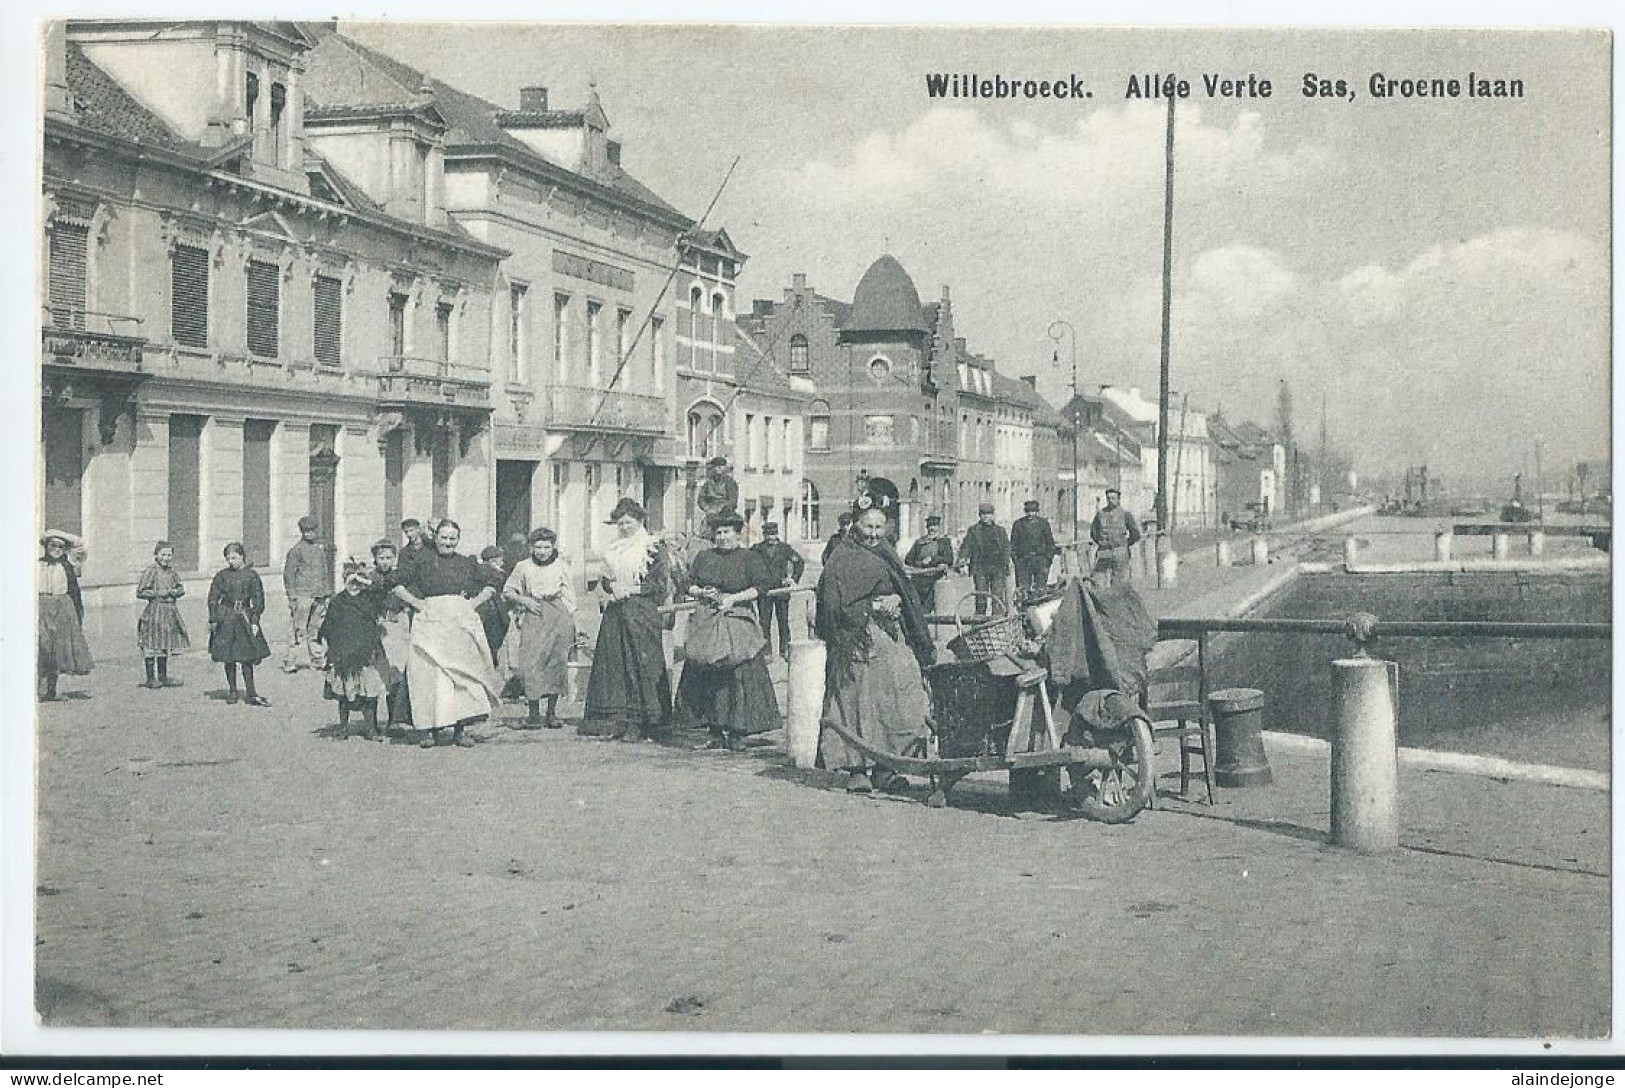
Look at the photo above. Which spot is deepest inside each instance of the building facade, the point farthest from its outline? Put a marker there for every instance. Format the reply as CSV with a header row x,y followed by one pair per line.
x,y
583,332
234,333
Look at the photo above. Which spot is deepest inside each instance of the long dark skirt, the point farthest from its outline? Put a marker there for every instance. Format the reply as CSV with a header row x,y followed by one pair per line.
x,y
629,685
881,700
729,699
236,641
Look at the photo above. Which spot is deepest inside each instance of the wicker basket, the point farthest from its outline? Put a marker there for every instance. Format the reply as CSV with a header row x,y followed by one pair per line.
x,y
987,640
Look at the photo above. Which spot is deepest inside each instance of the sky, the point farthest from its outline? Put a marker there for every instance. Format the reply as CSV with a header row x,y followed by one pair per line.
x,y
1436,272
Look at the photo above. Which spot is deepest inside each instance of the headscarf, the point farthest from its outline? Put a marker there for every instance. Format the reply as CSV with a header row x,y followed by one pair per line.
x,y
844,583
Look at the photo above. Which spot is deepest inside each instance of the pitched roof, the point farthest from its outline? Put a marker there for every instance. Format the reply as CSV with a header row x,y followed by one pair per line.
x,y
102,105
343,72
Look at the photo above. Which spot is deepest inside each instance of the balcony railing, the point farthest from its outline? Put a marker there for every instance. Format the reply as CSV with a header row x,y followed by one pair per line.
x,y
578,408
403,379
92,340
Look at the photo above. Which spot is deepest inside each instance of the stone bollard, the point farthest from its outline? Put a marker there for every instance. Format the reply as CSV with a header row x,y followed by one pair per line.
x,y
1365,757
1238,722
1168,568
1441,545
1500,545
806,699
1537,542
1261,551
1221,554
1351,551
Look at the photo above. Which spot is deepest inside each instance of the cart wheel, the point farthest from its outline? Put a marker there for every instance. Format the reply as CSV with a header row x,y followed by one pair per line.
x,y
1116,794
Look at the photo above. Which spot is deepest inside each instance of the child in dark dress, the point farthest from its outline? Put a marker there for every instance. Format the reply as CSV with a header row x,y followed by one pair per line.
x,y
356,664
236,602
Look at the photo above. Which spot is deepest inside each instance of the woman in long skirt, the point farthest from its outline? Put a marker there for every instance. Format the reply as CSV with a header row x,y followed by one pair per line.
x,y
159,632
62,646
353,642
544,604
449,669
629,692
236,640
732,701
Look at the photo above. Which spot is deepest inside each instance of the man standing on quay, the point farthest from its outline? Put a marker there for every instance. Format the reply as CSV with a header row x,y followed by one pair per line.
x,y
307,578
928,560
786,566
1114,533
1033,546
985,552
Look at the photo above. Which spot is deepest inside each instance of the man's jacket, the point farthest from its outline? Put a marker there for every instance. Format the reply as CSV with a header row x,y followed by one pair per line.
x,y
306,572
985,546
1031,538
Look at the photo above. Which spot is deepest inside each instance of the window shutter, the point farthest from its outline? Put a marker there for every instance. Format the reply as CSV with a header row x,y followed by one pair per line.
x,y
328,317
189,291
263,304
67,287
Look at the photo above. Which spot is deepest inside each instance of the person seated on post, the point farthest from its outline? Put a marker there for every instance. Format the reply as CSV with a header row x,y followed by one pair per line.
x,y
719,494
878,642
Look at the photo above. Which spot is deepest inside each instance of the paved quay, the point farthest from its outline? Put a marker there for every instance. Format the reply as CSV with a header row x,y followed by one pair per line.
x,y
223,866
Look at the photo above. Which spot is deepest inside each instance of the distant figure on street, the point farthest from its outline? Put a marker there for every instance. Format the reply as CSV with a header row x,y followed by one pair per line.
x,y
784,568
928,561
1033,547
62,646
985,552
719,494
236,603
843,526
307,578
1114,532
357,665
415,548
160,632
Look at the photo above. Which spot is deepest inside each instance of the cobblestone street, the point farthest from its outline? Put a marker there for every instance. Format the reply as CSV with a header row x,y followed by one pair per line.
x,y
211,865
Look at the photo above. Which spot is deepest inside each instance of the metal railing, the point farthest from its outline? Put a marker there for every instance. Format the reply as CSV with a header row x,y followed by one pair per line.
x,y
585,408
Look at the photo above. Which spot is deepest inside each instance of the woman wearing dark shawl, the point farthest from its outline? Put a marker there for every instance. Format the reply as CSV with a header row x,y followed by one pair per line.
x,y
629,689
874,628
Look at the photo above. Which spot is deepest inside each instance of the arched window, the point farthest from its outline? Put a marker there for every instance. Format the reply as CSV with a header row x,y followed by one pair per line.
x,y
704,431
719,304
798,355
818,425
696,304
809,511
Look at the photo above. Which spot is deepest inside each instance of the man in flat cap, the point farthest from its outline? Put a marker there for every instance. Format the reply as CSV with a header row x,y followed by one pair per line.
x,y
985,552
307,578
719,494
1114,532
1033,547
928,560
785,566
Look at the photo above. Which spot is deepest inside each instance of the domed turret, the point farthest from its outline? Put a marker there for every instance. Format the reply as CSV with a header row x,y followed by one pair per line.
x,y
886,301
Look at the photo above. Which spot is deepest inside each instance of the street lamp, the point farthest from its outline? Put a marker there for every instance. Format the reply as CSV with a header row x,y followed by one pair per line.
x,y
1054,332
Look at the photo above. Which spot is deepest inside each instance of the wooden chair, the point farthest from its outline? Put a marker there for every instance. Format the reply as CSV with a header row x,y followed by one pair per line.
x,y
1177,705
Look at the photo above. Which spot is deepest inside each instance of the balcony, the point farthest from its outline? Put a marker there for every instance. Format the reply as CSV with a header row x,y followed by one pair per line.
x,y
91,342
407,382
578,408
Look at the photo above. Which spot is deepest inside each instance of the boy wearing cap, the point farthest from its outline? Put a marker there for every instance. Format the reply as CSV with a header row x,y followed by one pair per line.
x,y
307,578
719,494
985,551
1032,545
929,559
1114,533
785,566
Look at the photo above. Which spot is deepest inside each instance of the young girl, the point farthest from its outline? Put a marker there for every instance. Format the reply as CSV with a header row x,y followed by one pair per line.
x,y
236,601
160,631
544,606
62,646
395,627
356,664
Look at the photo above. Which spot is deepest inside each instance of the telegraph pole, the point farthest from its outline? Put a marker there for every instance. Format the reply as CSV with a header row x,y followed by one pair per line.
x,y
1167,323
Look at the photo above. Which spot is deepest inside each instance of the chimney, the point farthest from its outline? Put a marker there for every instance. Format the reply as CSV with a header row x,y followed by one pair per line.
x,y
945,294
57,99
761,307
959,344
798,282
612,148
533,99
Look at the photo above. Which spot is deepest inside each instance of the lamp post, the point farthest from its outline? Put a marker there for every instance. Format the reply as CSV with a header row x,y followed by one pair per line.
x,y
1054,332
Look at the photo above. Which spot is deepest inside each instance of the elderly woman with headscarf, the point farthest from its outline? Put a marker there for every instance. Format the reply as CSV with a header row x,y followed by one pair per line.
x,y
544,603
731,699
878,642
448,666
629,692
62,646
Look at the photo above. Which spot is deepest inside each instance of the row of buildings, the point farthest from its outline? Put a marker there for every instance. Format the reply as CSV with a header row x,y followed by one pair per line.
x,y
284,273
